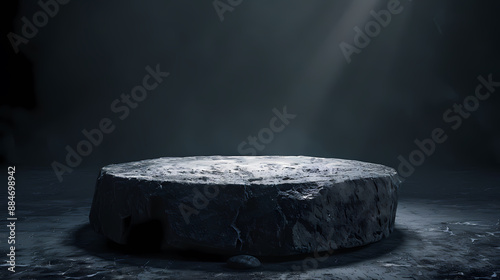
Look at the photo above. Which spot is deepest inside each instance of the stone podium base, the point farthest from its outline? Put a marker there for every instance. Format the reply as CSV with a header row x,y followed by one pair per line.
x,y
262,206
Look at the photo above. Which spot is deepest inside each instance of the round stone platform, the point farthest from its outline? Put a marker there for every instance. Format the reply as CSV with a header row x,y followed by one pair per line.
x,y
262,206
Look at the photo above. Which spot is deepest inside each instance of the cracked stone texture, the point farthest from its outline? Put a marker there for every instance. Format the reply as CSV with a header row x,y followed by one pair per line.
x,y
262,206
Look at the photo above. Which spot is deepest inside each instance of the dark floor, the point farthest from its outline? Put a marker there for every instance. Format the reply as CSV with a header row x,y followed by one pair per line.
x,y
447,227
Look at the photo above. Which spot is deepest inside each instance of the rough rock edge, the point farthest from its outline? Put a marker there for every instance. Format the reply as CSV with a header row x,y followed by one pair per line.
x,y
251,219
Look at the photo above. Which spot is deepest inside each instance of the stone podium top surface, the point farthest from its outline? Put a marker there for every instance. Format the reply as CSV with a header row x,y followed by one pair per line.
x,y
248,170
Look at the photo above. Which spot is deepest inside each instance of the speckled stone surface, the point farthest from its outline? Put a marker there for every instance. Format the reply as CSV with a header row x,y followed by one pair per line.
x,y
262,206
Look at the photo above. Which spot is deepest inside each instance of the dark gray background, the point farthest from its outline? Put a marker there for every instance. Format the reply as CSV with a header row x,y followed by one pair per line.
x,y
226,77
